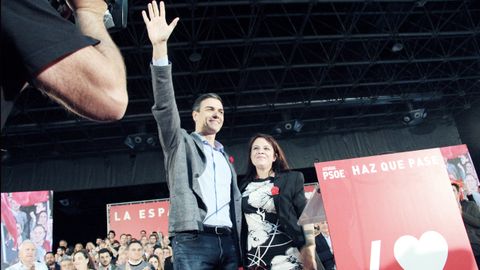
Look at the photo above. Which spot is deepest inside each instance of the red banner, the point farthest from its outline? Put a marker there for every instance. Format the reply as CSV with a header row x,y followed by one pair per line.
x,y
132,217
26,215
394,211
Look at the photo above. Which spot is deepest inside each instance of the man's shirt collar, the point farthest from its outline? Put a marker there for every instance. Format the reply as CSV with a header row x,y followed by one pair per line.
x,y
217,145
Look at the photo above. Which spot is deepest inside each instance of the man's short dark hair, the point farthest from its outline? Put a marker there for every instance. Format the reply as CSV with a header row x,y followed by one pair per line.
x,y
112,231
198,101
105,250
49,252
134,242
62,248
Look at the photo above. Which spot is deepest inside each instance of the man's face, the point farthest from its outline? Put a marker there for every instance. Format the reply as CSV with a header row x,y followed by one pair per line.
x,y
135,252
78,247
80,261
144,240
49,259
123,239
149,249
63,243
27,253
105,259
60,252
209,118
166,253
111,235
153,239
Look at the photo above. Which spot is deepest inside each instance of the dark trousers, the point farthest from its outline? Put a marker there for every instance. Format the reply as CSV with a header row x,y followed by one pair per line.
x,y
199,251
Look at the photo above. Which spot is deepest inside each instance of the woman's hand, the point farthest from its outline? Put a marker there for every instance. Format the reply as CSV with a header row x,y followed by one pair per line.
x,y
308,257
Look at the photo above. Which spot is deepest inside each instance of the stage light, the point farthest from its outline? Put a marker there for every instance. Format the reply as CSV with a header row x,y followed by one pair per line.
x,y
141,141
289,127
397,47
195,57
414,116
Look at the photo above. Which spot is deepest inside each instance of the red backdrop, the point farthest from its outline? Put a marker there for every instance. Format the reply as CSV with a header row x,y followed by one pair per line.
x,y
132,217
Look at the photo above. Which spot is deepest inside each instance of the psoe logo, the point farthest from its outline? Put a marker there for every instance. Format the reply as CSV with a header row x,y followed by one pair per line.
x,y
331,173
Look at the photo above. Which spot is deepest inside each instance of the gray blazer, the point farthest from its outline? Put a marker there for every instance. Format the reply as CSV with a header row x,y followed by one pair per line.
x,y
184,161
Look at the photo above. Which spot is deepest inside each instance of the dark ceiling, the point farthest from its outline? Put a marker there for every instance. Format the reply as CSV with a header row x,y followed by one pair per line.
x,y
335,65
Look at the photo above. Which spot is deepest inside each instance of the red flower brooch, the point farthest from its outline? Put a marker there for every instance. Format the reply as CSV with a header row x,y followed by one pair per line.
x,y
275,190
231,159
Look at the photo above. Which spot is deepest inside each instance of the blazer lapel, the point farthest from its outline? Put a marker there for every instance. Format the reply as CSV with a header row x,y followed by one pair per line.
x,y
280,183
195,184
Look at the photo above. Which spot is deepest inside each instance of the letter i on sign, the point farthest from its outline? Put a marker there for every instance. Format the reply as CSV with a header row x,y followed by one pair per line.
x,y
375,255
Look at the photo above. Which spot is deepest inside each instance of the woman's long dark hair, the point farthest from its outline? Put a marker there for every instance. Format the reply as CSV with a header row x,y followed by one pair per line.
x,y
279,165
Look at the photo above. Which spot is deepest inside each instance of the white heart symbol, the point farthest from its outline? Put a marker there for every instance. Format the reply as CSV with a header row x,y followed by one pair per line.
x,y
430,252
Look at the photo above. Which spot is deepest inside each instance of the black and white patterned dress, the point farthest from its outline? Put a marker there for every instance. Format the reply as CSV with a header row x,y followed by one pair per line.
x,y
268,247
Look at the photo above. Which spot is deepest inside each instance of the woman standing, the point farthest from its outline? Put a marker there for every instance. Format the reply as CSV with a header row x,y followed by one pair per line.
x,y
273,199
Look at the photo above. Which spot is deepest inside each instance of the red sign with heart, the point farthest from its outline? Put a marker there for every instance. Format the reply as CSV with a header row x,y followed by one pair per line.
x,y
394,211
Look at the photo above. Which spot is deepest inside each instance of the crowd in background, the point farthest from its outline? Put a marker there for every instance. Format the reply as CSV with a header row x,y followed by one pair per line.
x,y
152,249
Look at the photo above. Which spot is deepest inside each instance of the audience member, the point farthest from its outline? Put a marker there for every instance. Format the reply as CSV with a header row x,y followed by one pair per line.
x,y
323,246
471,218
134,258
154,261
148,250
105,260
144,240
82,260
168,258
27,255
50,261
123,239
90,247
67,264
153,239
60,255
78,247
129,238
111,235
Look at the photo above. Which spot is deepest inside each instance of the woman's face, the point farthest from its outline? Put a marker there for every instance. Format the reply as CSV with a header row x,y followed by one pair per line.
x,y
42,218
159,253
79,261
153,261
262,154
78,246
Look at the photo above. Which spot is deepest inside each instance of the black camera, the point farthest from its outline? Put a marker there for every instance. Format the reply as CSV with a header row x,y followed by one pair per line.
x,y
115,19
